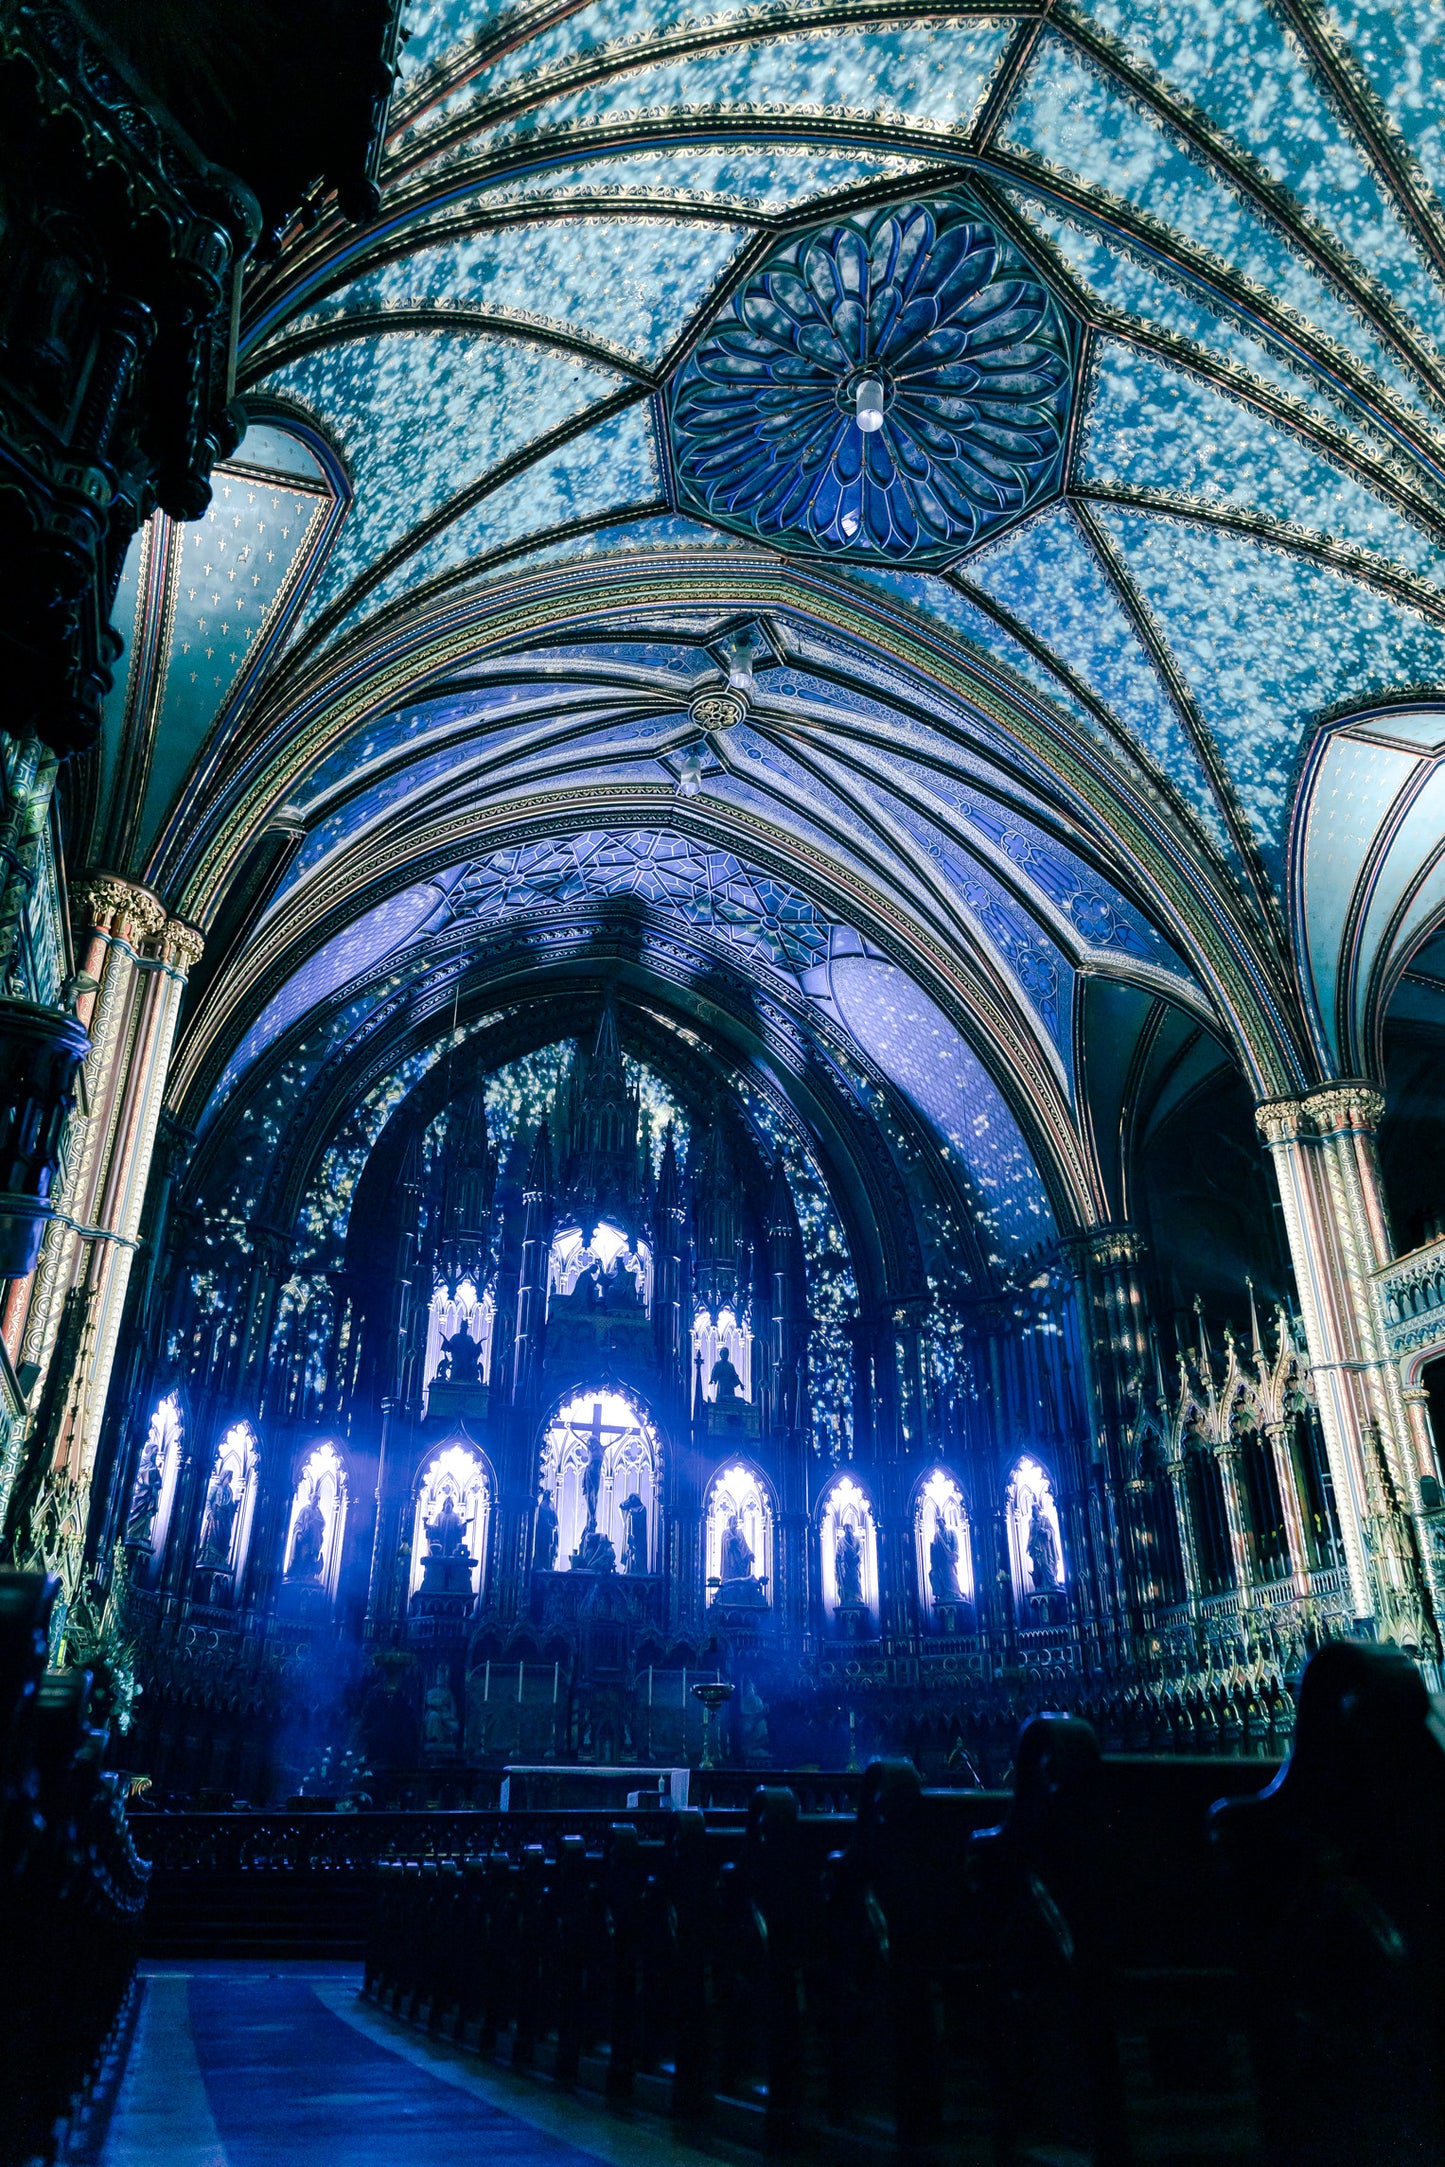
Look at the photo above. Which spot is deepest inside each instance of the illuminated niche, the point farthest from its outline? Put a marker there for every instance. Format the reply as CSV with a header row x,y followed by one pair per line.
x,y
600,1470
848,1551
225,1534
712,1342
317,1525
1035,1543
445,1318
605,1273
451,1518
148,1522
738,1539
944,1552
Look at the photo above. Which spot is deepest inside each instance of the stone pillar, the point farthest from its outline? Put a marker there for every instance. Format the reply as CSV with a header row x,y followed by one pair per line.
x,y
1323,1148
1184,1518
134,961
1287,1476
1227,1458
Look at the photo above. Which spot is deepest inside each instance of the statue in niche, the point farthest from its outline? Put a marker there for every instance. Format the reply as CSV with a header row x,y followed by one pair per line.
x,y
440,1727
307,1542
727,1385
1043,1552
634,1519
219,1524
544,1535
463,1357
849,1568
594,1554
736,1560
620,1289
943,1564
446,1535
146,1502
586,1292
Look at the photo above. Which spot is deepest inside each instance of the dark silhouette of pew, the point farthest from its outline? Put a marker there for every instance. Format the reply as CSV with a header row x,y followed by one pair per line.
x,y
1336,1875
71,1891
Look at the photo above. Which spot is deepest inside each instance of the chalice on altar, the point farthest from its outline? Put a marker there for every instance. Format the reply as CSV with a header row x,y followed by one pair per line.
x,y
714,1693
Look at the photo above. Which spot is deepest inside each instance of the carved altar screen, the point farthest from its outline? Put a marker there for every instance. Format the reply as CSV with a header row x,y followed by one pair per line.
x,y
737,1491
154,1496
445,1318
942,1544
847,1521
1035,1541
456,1473
710,1340
597,1454
317,1526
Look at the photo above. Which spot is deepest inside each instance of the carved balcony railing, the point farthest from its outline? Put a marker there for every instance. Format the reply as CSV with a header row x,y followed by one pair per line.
x,y
1411,1293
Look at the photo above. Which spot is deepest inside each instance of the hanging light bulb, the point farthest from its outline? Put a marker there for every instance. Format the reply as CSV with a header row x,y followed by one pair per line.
x,y
868,405
689,775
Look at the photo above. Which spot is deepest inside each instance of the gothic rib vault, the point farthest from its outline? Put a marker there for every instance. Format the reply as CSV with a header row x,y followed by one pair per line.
x,y
977,788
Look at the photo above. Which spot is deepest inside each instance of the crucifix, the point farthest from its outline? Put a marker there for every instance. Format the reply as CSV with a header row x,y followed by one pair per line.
x,y
596,1434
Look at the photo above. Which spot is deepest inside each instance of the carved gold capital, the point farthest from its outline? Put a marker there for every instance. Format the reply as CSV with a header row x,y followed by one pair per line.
x,y
1350,1104
182,945
110,904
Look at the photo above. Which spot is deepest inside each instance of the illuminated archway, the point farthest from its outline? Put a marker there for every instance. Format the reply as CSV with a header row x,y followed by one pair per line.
x,y
601,1471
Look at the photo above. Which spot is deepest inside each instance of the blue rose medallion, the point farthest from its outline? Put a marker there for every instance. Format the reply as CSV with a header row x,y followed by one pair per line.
x,y
894,387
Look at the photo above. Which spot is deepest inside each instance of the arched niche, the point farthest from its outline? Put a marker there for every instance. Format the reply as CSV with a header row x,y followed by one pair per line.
x,y
607,1272
848,1555
738,1520
601,1473
148,1522
316,1528
1035,1544
224,1540
943,1550
447,1314
451,1516
714,1338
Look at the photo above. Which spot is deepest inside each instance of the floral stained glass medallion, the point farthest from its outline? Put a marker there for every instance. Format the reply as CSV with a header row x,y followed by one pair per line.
x,y
894,387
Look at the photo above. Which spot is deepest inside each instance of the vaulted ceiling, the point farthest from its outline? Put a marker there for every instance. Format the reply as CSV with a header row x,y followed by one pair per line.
x,y
1075,725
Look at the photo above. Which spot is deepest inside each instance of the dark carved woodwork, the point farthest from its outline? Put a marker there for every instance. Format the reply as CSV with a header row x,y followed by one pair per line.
x,y
40,1051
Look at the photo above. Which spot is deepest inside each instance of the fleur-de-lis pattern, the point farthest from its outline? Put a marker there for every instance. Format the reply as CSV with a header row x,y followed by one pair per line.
x,y
976,359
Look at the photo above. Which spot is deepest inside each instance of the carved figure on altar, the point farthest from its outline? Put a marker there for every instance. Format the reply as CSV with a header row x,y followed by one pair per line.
x,y
737,1552
440,1728
446,1535
594,1554
544,1535
620,1289
634,1520
727,1385
753,1724
943,1565
146,1502
220,1521
586,1292
307,1542
1043,1552
464,1356
737,1584
849,1567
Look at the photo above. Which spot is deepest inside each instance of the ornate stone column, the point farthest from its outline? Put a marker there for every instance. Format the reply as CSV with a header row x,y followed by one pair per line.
x,y
1323,1148
134,965
1184,1519
1227,1458
1287,1476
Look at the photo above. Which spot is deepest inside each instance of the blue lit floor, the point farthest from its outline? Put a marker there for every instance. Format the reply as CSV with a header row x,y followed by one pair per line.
x,y
263,2065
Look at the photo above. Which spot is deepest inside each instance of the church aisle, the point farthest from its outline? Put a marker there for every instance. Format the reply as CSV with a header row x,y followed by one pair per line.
x,y
239,2065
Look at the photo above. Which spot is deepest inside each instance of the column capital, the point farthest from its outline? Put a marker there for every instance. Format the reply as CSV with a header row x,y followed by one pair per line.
x,y
110,903
1104,1245
1350,1103
181,945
